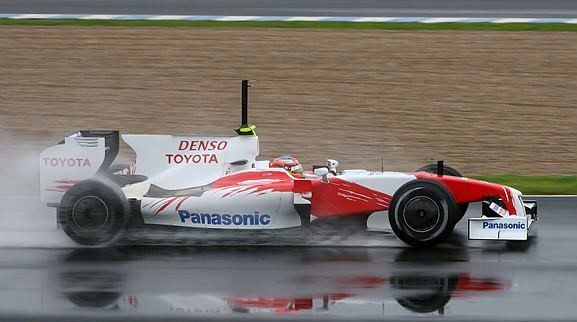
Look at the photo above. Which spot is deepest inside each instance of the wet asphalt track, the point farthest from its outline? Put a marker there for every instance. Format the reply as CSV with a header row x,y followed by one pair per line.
x,y
380,8
462,280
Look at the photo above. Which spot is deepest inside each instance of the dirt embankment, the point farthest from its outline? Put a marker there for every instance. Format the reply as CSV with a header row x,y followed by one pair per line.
x,y
487,102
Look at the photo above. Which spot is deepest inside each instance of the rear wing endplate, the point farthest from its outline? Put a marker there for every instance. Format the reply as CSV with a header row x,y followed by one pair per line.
x,y
79,156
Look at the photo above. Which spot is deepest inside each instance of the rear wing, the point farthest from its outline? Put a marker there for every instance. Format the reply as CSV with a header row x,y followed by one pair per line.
x,y
79,156
178,162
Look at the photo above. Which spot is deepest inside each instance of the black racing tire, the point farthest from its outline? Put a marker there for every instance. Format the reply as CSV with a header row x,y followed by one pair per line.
x,y
422,213
432,168
94,212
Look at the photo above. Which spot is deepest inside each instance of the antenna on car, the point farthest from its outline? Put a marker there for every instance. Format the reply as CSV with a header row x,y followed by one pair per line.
x,y
440,168
245,128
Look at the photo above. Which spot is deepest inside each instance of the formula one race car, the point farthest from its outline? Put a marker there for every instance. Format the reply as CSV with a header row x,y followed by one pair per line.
x,y
216,183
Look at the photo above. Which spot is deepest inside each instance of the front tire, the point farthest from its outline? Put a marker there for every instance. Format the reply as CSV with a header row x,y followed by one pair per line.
x,y
94,212
448,170
422,213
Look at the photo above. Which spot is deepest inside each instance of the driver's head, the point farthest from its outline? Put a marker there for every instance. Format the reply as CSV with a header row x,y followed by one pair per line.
x,y
288,163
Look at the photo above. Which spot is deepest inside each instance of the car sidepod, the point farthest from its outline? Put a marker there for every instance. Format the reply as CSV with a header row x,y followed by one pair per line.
x,y
246,200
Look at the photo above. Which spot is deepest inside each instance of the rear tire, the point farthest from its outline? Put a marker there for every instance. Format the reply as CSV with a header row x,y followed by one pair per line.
x,y
94,212
448,170
422,213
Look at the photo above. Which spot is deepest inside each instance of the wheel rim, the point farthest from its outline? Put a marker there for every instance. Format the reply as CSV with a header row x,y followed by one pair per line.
x,y
90,213
421,214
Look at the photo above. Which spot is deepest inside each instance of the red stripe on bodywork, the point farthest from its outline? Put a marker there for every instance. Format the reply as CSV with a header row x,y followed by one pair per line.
x,y
344,198
61,185
302,186
467,190
166,204
255,182
181,201
152,204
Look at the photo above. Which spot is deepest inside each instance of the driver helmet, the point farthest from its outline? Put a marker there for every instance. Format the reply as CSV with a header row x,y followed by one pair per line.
x,y
288,163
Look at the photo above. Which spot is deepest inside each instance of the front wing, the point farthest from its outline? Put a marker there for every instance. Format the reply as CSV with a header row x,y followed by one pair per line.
x,y
504,228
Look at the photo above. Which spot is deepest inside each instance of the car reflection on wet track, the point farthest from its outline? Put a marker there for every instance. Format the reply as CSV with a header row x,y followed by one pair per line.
x,y
264,281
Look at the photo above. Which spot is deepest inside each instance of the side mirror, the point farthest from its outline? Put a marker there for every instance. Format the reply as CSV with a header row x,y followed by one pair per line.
x,y
322,172
332,164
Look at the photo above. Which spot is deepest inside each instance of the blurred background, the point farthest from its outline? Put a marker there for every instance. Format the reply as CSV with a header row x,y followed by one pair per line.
x,y
488,99
486,102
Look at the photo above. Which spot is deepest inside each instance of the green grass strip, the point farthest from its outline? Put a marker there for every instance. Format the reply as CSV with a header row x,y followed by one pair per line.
x,y
297,24
536,185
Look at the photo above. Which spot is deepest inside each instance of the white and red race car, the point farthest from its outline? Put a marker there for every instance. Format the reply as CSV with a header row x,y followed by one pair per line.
x,y
216,183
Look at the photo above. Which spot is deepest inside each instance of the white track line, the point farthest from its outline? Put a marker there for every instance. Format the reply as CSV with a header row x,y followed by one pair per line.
x,y
430,20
